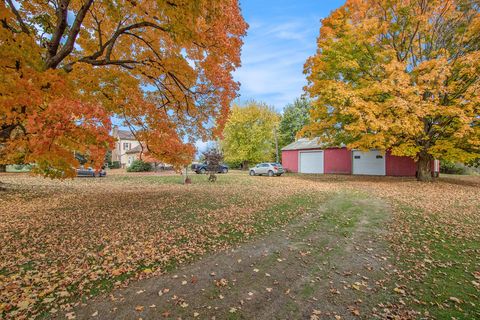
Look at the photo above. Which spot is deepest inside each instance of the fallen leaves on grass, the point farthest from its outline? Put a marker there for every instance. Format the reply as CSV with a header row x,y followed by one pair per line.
x,y
221,283
433,233
166,314
68,239
455,299
315,315
398,290
76,238
163,291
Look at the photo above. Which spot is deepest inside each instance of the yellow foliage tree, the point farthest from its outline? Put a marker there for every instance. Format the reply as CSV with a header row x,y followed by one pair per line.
x,y
401,76
248,136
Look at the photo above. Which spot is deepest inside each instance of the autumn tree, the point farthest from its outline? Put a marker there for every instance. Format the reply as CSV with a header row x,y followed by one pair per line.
x,y
295,116
249,134
68,66
401,76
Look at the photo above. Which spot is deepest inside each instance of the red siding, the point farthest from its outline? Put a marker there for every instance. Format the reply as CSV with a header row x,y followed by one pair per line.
x,y
290,160
338,160
400,166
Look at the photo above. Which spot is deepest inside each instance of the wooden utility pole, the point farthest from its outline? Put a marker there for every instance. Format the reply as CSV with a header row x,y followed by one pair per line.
x,y
276,143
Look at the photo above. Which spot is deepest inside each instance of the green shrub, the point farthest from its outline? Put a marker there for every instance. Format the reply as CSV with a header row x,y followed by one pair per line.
x,y
451,168
139,166
114,165
474,163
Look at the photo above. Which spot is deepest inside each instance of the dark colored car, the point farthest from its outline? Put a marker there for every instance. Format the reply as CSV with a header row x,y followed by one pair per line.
x,y
204,168
90,172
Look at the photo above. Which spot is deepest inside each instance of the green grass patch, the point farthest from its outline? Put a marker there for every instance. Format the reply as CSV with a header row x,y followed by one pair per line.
x,y
282,212
444,265
197,179
307,291
342,212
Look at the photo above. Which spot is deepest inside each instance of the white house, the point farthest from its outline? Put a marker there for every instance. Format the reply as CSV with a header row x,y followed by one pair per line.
x,y
126,141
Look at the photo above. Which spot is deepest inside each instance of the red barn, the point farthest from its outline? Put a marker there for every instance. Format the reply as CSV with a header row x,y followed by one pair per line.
x,y
308,156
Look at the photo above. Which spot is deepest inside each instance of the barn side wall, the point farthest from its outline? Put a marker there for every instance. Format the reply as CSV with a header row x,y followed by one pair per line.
x,y
400,166
290,160
338,161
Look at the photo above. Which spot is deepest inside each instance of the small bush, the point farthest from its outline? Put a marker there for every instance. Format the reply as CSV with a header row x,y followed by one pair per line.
x,y
139,166
114,165
451,168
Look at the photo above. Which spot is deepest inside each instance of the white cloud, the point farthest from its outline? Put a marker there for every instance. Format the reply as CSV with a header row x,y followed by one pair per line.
x,y
273,57
202,146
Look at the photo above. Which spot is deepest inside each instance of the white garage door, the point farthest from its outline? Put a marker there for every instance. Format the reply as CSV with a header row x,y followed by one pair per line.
x,y
311,162
369,163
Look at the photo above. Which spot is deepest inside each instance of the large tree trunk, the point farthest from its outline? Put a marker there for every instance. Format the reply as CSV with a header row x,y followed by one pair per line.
x,y
5,131
424,167
3,168
244,165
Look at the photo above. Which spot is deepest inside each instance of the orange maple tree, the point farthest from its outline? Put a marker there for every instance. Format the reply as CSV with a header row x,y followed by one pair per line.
x,y
400,75
68,66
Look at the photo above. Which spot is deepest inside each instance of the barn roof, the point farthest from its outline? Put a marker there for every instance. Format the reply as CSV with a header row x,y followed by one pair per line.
x,y
305,143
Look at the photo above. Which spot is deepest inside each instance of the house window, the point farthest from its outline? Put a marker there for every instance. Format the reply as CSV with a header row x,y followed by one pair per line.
x,y
127,145
379,157
357,157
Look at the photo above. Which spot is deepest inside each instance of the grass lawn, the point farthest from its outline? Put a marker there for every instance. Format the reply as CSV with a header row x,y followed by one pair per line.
x,y
69,240
78,238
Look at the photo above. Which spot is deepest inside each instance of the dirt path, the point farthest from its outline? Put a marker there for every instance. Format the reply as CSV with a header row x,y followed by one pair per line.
x,y
328,263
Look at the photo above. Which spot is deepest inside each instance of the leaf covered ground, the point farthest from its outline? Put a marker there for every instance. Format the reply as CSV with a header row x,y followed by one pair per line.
x,y
71,240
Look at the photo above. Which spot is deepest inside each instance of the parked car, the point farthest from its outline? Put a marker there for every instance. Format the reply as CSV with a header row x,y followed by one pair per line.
x,y
90,172
268,168
202,168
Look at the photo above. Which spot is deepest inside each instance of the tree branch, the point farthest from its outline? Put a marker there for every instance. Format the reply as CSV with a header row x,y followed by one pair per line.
x,y
109,44
67,48
19,17
61,11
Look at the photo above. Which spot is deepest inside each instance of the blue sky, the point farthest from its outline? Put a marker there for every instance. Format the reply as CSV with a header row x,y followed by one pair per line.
x,y
282,35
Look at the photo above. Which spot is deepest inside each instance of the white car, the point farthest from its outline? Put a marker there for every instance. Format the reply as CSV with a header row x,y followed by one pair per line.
x,y
268,168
